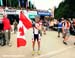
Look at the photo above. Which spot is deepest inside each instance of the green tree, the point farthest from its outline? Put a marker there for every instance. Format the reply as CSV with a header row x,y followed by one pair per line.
x,y
66,9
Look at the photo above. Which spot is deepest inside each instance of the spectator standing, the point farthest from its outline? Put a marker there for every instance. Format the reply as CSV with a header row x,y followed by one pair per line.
x,y
7,27
15,25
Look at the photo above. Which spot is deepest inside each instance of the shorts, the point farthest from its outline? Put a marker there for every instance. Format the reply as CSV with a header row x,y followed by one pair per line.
x,y
51,27
67,33
44,27
36,37
59,30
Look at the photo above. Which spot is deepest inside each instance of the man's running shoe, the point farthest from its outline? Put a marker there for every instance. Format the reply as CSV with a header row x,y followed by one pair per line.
x,y
74,43
65,43
33,52
44,33
9,44
58,36
39,52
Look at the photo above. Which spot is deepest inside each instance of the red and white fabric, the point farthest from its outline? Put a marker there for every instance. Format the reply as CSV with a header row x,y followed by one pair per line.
x,y
24,24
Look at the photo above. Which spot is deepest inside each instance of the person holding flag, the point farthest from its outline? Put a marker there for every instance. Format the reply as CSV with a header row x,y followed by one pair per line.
x,y
36,35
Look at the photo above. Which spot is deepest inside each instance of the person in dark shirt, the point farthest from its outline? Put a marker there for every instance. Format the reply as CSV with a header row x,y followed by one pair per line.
x,y
2,37
15,26
59,27
1,25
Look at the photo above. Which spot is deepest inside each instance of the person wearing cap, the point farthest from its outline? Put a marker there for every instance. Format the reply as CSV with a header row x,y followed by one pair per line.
x,y
36,34
7,27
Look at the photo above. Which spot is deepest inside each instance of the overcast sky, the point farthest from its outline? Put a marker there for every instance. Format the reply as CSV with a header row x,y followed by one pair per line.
x,y
45,4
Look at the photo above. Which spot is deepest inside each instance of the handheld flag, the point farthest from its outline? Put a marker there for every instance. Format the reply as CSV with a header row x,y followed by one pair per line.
x,y
23,26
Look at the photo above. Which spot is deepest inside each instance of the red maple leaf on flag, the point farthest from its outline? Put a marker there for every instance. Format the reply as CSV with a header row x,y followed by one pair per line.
x,y
24,23
21,30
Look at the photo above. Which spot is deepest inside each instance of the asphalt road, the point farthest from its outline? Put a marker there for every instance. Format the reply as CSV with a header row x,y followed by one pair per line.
x,y
51,47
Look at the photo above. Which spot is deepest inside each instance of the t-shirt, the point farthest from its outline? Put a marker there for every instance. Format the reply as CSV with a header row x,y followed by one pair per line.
x,y
6,23
51,23
74,24
15,24
60,25
35,28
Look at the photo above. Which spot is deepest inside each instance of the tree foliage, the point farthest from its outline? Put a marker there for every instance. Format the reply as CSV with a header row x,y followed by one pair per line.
x,y
66,9
15,3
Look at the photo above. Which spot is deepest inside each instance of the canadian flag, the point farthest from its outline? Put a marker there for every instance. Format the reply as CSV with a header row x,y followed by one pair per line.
x,y
24,24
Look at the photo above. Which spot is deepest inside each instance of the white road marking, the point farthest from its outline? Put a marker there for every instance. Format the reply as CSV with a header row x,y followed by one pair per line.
x,y
54,52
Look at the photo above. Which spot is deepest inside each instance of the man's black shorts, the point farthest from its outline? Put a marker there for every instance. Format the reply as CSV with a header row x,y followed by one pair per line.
x,y
59,30
36,37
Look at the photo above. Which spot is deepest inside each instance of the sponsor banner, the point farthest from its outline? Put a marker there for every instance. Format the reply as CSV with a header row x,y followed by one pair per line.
x,y
10,11
32,14
44,13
